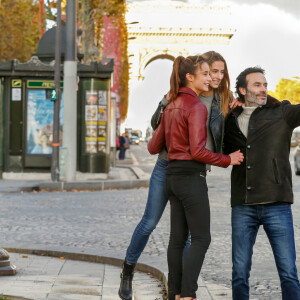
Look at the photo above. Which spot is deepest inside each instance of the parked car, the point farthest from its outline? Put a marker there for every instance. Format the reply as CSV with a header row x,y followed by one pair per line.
x,y
295,140
297,160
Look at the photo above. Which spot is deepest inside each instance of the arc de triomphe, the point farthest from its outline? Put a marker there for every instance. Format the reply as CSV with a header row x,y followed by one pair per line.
x,y
166,29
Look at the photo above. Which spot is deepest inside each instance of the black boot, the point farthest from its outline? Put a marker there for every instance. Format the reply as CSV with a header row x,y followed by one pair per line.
x,y
125,291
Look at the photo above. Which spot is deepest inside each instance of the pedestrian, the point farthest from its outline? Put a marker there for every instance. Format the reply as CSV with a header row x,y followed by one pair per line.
x,y
122,142
216,100
261,187
183,132
127,142
117,142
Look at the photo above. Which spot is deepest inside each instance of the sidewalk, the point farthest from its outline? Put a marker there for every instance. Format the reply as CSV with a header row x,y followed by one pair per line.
x,y
42,277
124,176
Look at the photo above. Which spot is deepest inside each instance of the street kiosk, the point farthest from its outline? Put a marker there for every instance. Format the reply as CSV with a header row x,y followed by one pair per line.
x,y
27,98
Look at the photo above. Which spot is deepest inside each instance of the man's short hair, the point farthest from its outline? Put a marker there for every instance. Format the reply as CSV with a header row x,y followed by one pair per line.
x,y
242,82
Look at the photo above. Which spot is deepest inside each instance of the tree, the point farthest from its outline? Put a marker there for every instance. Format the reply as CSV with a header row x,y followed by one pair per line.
x,y
19,29
288,89
93,35
90,17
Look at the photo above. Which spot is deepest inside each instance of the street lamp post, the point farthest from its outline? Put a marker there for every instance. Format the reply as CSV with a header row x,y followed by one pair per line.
x,y
56,142
70,95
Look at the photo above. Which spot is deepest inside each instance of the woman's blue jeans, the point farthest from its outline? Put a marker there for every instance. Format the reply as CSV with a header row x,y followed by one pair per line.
x,y
277,221
156,203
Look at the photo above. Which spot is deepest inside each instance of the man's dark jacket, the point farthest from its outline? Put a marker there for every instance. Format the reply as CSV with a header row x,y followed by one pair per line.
x,y
265,175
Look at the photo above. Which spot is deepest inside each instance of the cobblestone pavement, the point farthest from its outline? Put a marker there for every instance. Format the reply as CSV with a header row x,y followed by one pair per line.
x,y
105,220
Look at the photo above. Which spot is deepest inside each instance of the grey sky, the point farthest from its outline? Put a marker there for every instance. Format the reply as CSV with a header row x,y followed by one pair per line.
x,y
289,6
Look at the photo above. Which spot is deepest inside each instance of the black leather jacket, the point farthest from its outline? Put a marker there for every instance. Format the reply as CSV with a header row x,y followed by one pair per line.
x,y
216,123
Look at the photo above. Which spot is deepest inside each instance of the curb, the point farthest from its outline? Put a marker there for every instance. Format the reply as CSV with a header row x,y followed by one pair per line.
x,y
141,181
87,185
142,267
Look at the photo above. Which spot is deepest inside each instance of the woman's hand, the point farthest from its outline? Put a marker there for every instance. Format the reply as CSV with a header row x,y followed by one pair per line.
x,y
168,96
236,157
235,102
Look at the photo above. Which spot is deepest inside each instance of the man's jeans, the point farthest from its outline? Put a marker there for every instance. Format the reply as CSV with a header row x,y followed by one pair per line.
x,y
277,221
156,203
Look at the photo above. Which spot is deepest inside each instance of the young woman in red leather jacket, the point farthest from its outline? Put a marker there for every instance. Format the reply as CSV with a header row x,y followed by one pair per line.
x,y
183,132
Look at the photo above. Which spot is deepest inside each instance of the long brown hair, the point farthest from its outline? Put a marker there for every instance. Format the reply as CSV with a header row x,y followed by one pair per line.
x,y
224,87
181,67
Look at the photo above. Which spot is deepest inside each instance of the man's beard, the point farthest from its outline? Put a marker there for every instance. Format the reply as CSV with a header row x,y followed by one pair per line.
x,y
253,100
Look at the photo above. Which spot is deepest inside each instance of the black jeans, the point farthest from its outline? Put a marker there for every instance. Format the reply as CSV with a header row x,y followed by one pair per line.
x,y
189,212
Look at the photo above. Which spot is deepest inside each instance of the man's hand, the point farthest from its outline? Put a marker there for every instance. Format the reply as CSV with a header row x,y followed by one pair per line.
x,y
235,102
236,157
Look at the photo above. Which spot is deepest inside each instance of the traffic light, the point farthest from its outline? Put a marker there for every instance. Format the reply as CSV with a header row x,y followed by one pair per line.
x,y
51,94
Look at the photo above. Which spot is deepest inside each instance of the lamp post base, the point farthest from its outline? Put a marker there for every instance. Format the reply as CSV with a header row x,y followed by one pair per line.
x,y
8,271
6,268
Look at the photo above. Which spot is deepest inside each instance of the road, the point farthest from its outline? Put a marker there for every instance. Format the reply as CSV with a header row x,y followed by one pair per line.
x,y
90,221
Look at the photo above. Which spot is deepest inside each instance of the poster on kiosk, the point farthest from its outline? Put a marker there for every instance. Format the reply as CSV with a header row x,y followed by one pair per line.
x,y
39,114
95,121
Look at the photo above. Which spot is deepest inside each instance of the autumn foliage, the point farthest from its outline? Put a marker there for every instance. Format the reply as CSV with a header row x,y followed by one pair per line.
x,y
288,89
90,16
115,10
19,29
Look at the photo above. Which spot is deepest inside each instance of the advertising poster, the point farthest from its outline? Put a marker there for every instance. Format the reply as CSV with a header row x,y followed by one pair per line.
x,y
91,129
95,121
39,113
102,97
91,145
101,144
91,97
91,112
102,116
101,131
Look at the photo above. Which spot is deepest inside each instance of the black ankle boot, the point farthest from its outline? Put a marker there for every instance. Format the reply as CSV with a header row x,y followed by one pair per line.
x,y
125,291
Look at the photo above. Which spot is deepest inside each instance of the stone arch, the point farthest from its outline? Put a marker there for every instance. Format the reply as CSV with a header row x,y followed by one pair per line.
x,y
148,55
161,56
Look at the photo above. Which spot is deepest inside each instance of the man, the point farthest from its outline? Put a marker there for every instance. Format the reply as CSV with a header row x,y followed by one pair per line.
x,y
261,187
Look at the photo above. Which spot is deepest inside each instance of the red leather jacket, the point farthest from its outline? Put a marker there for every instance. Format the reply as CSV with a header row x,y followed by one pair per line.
x,y
183,131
